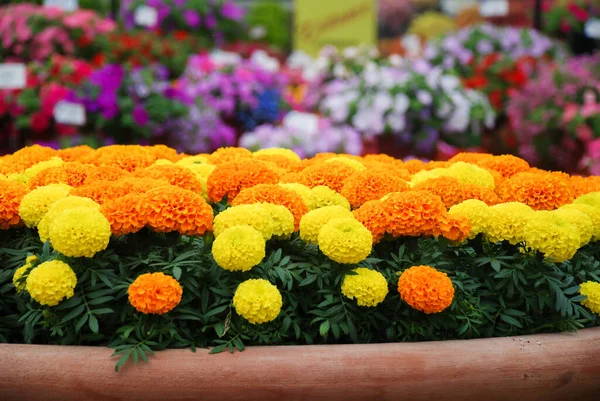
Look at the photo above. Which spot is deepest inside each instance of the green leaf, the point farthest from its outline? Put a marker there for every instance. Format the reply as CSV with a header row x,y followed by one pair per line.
x,y
218,349
101,300
73,314
177,272
93,324
511,320
81,322
122,360
216,311
324,328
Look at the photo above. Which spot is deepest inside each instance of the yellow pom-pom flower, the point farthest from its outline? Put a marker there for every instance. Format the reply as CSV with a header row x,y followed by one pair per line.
x,y
325,196
591,290
355,164
290,154
258,301
80,232
554,237
252,215
70,202
580,221
468,173
591,199
239,248
283,219
345,240
593,213
368,287
51,282
475,211
198,159
312,222
506,222
425,175
17,282
35,204
36,168
304,192
162,162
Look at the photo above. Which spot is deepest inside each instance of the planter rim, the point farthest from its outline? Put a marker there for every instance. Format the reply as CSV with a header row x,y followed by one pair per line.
x,y
562,366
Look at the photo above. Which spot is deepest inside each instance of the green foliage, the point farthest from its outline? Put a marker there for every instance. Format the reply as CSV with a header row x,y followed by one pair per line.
x,y
273,17
500,291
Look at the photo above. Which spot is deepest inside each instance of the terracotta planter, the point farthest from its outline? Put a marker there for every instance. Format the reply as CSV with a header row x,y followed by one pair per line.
x,y
549,367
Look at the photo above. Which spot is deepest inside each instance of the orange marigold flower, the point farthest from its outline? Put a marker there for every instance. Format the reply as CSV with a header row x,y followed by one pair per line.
x,y
74,174
270,193
456,228
372,215
539,191
426,289
176,175
24,158
154,293
163,152
286,163
228,179
227,155
469,157
331,175
449,189
414,165
290,178
394,169
484,194
506,165
317,159
366,185
81,154
585,185
125,157
11,193
414,213
106,173
101,191
171,208
382,158
123,214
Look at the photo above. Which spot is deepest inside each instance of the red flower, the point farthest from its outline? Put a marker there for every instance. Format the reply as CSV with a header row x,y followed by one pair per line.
x,y
476,82
515,77
180,35
66,130
84,41
489,61
99,59
496,99
578,12
39,122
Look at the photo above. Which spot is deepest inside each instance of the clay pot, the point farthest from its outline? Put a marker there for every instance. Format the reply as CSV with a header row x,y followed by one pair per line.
x,y
561,367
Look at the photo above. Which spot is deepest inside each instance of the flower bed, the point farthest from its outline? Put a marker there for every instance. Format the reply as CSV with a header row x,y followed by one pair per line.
x,y
142,249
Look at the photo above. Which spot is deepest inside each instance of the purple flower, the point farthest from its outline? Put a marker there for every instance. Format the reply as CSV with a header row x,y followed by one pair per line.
x,y
191,18
210,21
232,11
140,115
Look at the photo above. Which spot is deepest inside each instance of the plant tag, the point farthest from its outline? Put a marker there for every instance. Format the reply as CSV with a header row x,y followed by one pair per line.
x,y
65,5
145,16
69,113
412,45
494,8
592,28
303,122
12,76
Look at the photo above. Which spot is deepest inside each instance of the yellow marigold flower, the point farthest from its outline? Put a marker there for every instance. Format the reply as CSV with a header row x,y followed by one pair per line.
x,y
51,282
580,221
471,174
257,301
304,192
345,240
368,287
58,207
154,293
35,204
593,213
325,196
201,170
17,282
283,219
475,211
507,221
425,175
80,232
36,168
554,237
591,199
252,215
591,290
162,162
355,164
16,177
312,222
239,248
197,159
290,154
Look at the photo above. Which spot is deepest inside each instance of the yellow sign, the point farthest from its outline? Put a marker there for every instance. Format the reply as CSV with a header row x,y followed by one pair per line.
x,y
342,23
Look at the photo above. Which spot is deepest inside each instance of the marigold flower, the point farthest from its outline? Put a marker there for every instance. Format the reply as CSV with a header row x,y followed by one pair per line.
x,y
290,178
81,153
175,175
172,208
275,194
591,199
304,192
201,170
414,165
585,185
469,157
385,168
35,204
506,165
312,222
363,186
162,162
324,196
484,194
227,180
196,159
368,287
17,280
591,290
51,282
507,221
253,215
345,240
355,164
257,301
579,220
455,228
25,158
123,214
283,220
413,213
331,175
471,174
73,174
227,155
593,213
475,211
79,232
11,194
371,214
426,289
102,191
58,207
290,154
126,157
154,293
239,248
554,237
163,152
541,192
37,168
449,189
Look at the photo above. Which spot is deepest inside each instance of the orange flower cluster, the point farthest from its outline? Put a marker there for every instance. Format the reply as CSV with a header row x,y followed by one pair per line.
x,y
11,194
540,191
366,185
24,158
426,289
154,293
74,174
175,175
506,165
331,175
585,185
228,179
449,189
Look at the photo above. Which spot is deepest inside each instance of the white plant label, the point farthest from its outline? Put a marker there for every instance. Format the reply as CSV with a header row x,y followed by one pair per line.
x,y
303,122
494,8
12,76
412,45
69,113
592,28
145,16
65,5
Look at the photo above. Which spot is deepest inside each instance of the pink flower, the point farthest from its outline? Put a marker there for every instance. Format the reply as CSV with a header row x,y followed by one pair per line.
x,y
105,25
565,27
244,74
578,12
570,112
39,122
50,96
584,132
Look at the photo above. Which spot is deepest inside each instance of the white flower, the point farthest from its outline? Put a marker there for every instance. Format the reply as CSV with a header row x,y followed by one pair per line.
x,y
449,82
459,120
444,110
336,106
340,71
396,60
382,101
433,78
220,57
300,60
257,32
401,103
396,121
322,63
264,61
369,122
424,97
350,52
